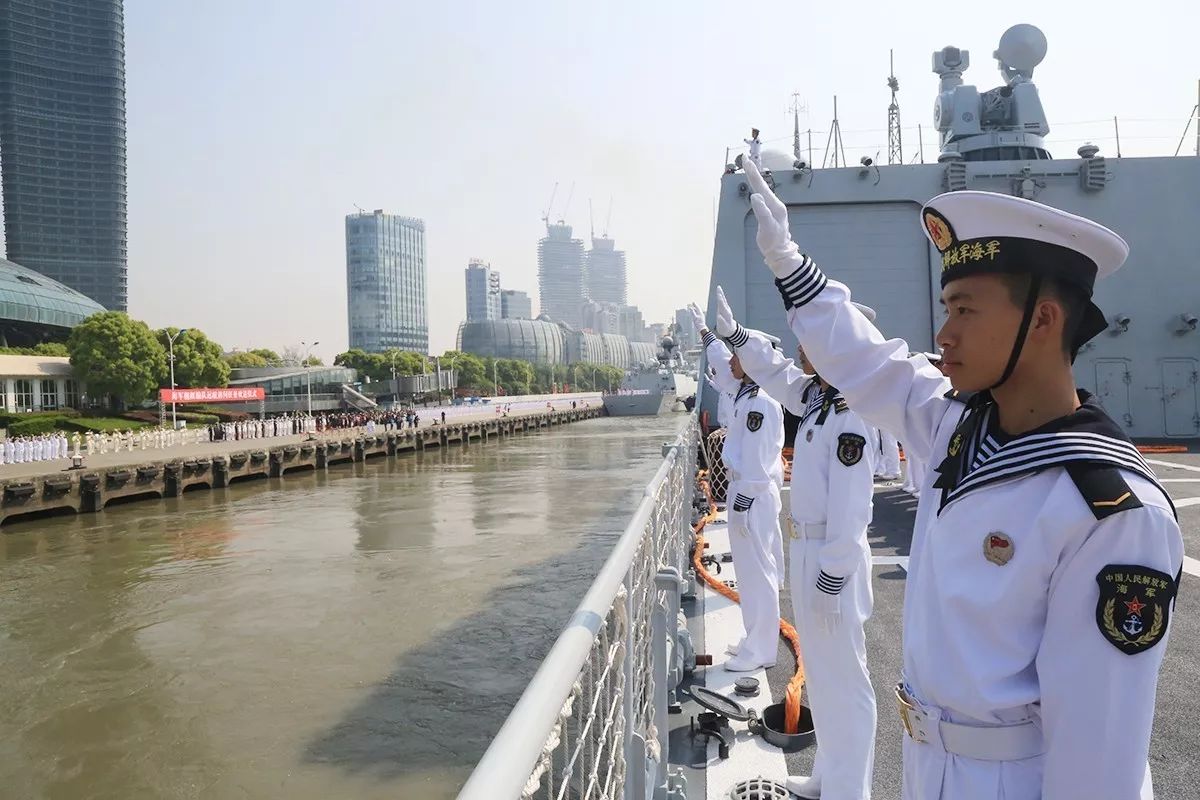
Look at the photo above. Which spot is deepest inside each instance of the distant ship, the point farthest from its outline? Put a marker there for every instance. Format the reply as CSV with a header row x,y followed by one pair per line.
x,y
653,390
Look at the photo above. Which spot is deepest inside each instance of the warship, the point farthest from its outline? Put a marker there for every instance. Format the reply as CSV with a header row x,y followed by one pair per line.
x,y
653,389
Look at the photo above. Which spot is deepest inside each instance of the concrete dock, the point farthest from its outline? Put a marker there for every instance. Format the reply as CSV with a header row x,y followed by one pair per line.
x,y
38,489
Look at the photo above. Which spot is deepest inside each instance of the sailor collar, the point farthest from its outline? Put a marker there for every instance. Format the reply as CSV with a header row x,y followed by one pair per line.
x,y
746,390
821,400
1086,442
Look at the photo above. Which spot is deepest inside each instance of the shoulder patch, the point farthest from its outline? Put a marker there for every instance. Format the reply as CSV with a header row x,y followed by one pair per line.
x,y
754,421
840,406
753,392
1103,488
1134,606
961,397
850,448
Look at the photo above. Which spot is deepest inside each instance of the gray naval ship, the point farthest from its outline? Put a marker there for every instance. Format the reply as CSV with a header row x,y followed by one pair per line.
x,y
653,389
860,224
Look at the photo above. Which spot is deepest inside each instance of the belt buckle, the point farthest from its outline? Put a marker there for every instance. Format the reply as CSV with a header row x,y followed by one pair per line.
x,y
907,708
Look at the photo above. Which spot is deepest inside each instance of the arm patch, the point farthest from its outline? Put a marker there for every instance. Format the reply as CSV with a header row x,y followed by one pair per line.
x,y
1103,488
850,448
1134,606
754,421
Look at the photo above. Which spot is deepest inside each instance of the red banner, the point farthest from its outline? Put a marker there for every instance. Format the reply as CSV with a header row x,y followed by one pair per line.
x,y
244,394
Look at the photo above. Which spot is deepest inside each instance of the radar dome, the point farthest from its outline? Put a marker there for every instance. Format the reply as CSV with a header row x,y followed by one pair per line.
x,y
1022,47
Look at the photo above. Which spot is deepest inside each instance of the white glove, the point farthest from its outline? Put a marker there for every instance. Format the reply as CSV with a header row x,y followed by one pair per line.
x,y
827,608
726,324
697,317
774,236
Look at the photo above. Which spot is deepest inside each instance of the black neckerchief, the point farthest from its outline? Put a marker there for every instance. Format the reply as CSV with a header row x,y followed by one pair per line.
x,y
1085,436
745,389
823,400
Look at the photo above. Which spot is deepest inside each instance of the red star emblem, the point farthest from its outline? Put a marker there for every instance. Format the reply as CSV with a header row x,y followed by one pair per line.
x,y
1135,606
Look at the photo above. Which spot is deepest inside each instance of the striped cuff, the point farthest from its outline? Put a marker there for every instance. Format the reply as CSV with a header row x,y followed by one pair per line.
x,y
742,502
802,285
707,337
829,584
739,336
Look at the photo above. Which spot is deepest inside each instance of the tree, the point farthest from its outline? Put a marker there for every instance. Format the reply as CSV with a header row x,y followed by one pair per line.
x,y
57,349
117,356
470,370
245,360
198,360
270,356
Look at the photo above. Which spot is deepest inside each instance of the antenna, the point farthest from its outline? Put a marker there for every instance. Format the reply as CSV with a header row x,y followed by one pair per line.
x,y
796,107
895,150
550,205
835,138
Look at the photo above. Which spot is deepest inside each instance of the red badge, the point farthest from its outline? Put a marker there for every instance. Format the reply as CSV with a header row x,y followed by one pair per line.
x,y
997,548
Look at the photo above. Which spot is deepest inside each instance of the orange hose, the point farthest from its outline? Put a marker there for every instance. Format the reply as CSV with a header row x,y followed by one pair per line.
x,y
791,700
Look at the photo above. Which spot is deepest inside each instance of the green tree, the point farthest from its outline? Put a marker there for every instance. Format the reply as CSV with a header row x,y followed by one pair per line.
x,y
57,349
117,356
516,377
245,360
198,360
272,358
472,375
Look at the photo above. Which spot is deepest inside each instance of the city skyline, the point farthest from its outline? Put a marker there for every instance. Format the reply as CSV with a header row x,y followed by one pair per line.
x,y
237,189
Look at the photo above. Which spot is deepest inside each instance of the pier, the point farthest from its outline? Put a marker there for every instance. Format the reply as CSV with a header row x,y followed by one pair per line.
x,y
31,489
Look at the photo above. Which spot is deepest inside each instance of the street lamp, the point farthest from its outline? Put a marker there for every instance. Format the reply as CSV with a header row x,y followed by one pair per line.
x,y
171,358
395,386
594,371
495,380
307,376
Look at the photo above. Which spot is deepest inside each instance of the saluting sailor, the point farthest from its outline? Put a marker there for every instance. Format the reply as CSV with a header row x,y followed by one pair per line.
x,y
752,454
830,559
721,380
915,470
1046,557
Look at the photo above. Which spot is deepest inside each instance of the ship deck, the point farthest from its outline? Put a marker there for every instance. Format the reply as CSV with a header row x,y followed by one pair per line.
x,y
715,623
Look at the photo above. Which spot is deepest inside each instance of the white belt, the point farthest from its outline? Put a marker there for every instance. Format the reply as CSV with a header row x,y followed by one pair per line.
x,y
924,725
808,530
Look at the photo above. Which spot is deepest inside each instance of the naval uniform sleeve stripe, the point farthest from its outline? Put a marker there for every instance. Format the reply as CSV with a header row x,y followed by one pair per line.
x,y
739,337
801,286
829,584
708,337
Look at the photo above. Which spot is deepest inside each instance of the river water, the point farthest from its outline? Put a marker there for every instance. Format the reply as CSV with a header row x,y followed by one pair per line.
x,y
357,634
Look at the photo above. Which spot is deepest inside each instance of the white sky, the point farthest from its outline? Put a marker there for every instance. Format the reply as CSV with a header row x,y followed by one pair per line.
x,y
255,127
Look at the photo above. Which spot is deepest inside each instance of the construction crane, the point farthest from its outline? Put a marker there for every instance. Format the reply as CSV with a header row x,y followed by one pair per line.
x,y
608,218
562,220
550,205
895,151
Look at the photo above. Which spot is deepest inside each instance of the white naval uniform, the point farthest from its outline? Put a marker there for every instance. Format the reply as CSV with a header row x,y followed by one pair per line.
x,y
728,387
888,465
831,498
752,455
755,151
1022,694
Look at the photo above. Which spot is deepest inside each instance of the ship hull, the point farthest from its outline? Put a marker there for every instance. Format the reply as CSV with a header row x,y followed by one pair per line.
x,y
638,405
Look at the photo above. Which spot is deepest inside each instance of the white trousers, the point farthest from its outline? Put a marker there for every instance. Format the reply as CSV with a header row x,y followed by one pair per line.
x,y
889,461
914,473
754,541
837,682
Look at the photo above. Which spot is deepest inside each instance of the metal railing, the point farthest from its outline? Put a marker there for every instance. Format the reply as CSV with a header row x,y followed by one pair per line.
x,y
592,723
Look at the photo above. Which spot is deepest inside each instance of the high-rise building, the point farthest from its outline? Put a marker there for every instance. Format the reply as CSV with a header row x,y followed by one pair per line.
x,y
515,305
601,317
385,282
62,142
605,270
632,324
483,291
560,275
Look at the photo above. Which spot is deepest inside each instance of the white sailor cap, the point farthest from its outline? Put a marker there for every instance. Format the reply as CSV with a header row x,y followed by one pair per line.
x,y
986,232
867,311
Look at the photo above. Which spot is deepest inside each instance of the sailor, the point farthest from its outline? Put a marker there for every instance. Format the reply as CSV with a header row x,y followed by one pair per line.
x,y
1046,556
755,147
888,466
722,381
752,455
829,570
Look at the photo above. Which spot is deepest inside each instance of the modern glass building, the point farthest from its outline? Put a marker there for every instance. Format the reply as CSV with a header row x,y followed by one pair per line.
x,y
560,275
483,291
34,308
515,305
385,282
62,142
543,342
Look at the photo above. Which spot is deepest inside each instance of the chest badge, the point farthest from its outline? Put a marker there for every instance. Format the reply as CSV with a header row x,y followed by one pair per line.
x,y
997,548
808,436
754,421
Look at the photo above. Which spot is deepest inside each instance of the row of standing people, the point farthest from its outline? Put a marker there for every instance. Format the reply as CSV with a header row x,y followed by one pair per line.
x,y
1046,556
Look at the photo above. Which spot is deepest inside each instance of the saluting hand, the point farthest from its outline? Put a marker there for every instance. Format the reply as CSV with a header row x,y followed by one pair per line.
x,y
697,317
726,324
774,236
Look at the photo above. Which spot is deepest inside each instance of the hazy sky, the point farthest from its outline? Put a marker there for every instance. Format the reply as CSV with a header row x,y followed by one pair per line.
x,y
255,127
